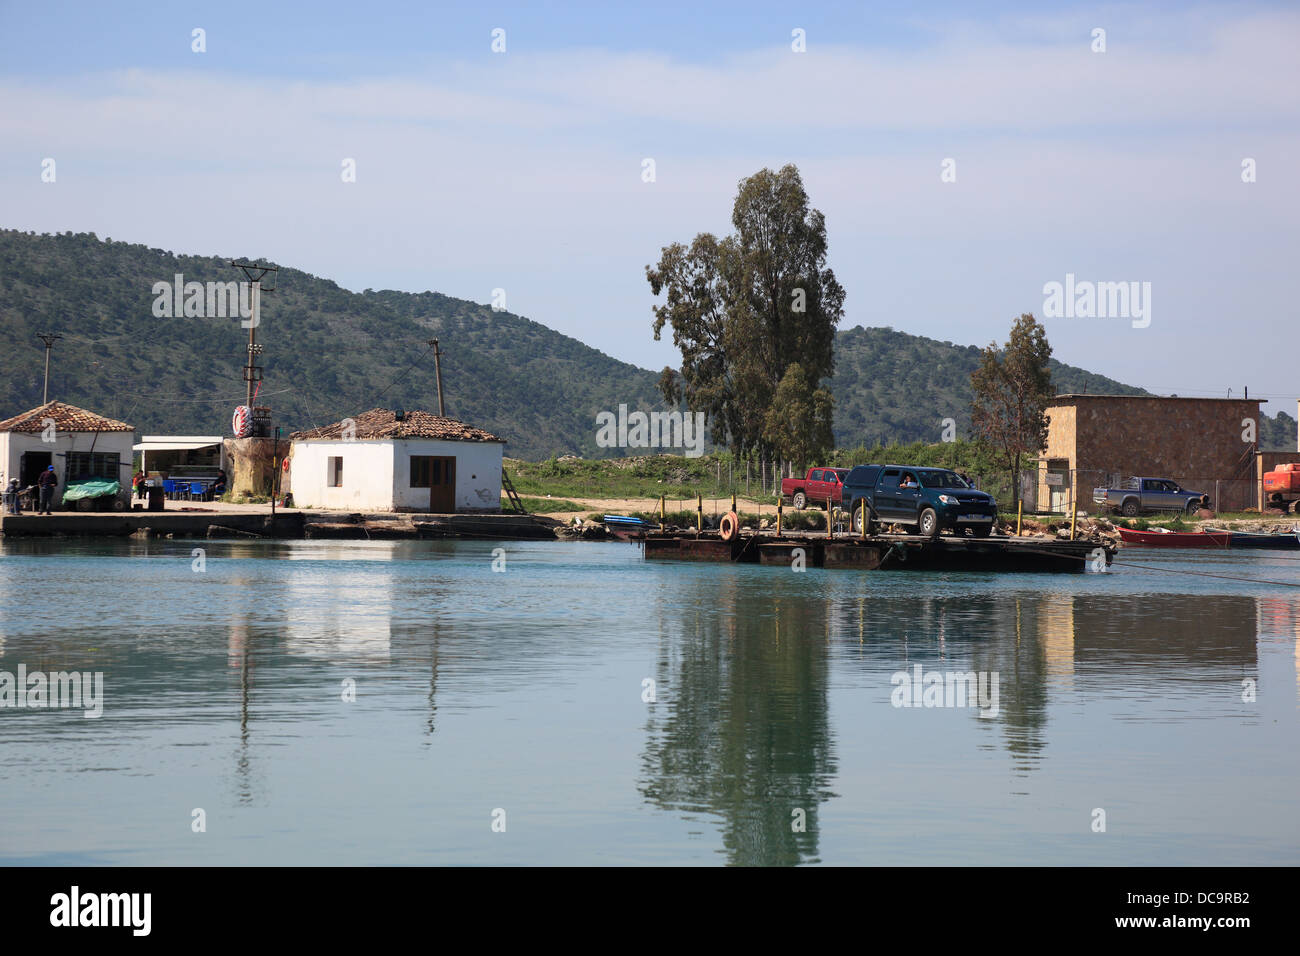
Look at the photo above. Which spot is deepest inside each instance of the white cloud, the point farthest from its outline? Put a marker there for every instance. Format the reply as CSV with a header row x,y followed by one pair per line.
x,y
524,171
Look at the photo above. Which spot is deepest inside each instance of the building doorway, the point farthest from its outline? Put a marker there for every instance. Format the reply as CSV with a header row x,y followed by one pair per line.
x,y
438,474
1059,486
31,465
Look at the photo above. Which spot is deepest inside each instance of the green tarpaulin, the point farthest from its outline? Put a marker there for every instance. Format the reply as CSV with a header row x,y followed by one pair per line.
x,y
91,489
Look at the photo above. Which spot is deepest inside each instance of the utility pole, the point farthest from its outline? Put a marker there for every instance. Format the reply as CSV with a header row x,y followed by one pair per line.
x,y
49,338
254,272
437,367
275,477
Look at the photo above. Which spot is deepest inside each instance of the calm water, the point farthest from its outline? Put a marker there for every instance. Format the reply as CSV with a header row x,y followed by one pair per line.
x,y
478,692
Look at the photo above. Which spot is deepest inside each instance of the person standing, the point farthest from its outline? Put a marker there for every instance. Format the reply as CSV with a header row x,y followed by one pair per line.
x,y
12,493
47,483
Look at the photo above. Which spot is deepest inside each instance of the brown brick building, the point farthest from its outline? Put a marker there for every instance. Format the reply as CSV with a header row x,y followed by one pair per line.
x,y
1099,440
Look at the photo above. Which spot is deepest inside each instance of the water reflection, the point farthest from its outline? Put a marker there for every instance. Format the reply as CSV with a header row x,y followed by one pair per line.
x,y
773,690
1279,619
237,655
745,732
346,618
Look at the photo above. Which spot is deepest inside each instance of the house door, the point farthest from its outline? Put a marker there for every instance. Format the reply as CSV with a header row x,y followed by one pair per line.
x,y
438,474
1058,485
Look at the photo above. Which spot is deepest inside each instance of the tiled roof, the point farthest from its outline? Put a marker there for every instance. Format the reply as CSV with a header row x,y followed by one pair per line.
x,y
67,418
380,423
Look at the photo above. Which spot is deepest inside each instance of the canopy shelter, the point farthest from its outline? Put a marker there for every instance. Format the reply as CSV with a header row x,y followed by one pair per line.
x,y
181,456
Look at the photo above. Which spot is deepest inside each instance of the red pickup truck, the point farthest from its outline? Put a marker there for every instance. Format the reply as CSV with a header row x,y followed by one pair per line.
x,y
820,485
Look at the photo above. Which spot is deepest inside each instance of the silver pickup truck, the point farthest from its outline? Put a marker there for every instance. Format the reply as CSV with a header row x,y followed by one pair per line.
x,y
1149,494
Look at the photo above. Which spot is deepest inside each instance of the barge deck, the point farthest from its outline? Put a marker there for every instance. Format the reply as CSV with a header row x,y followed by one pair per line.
x,y
882,552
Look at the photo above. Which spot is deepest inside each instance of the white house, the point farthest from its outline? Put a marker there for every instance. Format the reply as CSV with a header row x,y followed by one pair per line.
x,y
393,461
79,444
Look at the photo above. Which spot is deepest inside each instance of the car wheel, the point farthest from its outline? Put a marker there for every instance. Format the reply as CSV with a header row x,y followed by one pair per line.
x,y
1130,509
1193,505
929,523
800,501
857,521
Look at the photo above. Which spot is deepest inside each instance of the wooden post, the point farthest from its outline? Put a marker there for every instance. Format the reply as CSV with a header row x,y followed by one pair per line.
x,y
661,512
780,506
1020,511
1074,517
733,501
699,512
830,533
862,511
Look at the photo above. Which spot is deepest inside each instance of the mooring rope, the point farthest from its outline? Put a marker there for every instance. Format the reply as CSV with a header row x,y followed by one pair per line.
x,y
1152,567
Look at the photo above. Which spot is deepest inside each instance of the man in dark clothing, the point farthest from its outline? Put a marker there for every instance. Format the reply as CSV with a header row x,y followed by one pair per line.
x,y
47,483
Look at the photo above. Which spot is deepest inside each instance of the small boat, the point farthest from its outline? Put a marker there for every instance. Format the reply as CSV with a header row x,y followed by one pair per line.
x,y
1286,541
1176,539
624,526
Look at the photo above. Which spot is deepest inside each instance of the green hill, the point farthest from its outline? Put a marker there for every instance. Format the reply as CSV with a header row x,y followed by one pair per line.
x,y
891,386
330,353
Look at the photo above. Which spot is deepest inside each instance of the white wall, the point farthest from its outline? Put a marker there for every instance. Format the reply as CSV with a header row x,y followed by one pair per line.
x,y
367,475
13,445
377,474
478,473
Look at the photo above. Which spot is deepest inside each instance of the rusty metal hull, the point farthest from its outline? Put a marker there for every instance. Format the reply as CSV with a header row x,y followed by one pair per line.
x,y
882,552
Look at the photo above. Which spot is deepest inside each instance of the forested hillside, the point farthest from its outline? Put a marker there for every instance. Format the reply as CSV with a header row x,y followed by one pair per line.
x,y
330,353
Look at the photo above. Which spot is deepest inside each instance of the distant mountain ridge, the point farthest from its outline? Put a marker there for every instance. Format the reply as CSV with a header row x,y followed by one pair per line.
x,y
331,353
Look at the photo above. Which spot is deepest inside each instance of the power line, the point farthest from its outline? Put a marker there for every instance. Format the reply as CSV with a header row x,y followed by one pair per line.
x,y
213,401
403,374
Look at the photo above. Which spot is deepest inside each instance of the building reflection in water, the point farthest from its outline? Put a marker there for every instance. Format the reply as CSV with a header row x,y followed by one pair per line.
x,y
1279,620
347,623
742,731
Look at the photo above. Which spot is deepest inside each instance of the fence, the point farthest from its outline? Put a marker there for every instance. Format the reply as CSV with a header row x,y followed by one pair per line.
x,y
1227,494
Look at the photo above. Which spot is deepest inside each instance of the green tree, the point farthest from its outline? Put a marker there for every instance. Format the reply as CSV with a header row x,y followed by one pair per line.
x,y
1012,387
798,423
745,308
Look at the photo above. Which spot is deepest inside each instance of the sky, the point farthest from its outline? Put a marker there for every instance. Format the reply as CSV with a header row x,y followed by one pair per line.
x,y
965,156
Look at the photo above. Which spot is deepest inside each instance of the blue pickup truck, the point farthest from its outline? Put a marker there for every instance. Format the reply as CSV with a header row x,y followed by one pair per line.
x,y
923,500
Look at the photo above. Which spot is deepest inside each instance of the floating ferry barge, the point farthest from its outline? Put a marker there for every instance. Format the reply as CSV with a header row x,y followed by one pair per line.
x,y
882,552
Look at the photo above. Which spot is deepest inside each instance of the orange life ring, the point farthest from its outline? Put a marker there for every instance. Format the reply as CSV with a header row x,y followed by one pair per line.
x,y
284,465
729,525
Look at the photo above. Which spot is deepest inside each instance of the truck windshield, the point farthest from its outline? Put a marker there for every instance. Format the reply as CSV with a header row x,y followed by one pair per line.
x,y
942,479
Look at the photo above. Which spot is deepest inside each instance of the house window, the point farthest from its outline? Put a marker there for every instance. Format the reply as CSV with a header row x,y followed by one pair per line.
x,y
83,465
422,471
336,471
